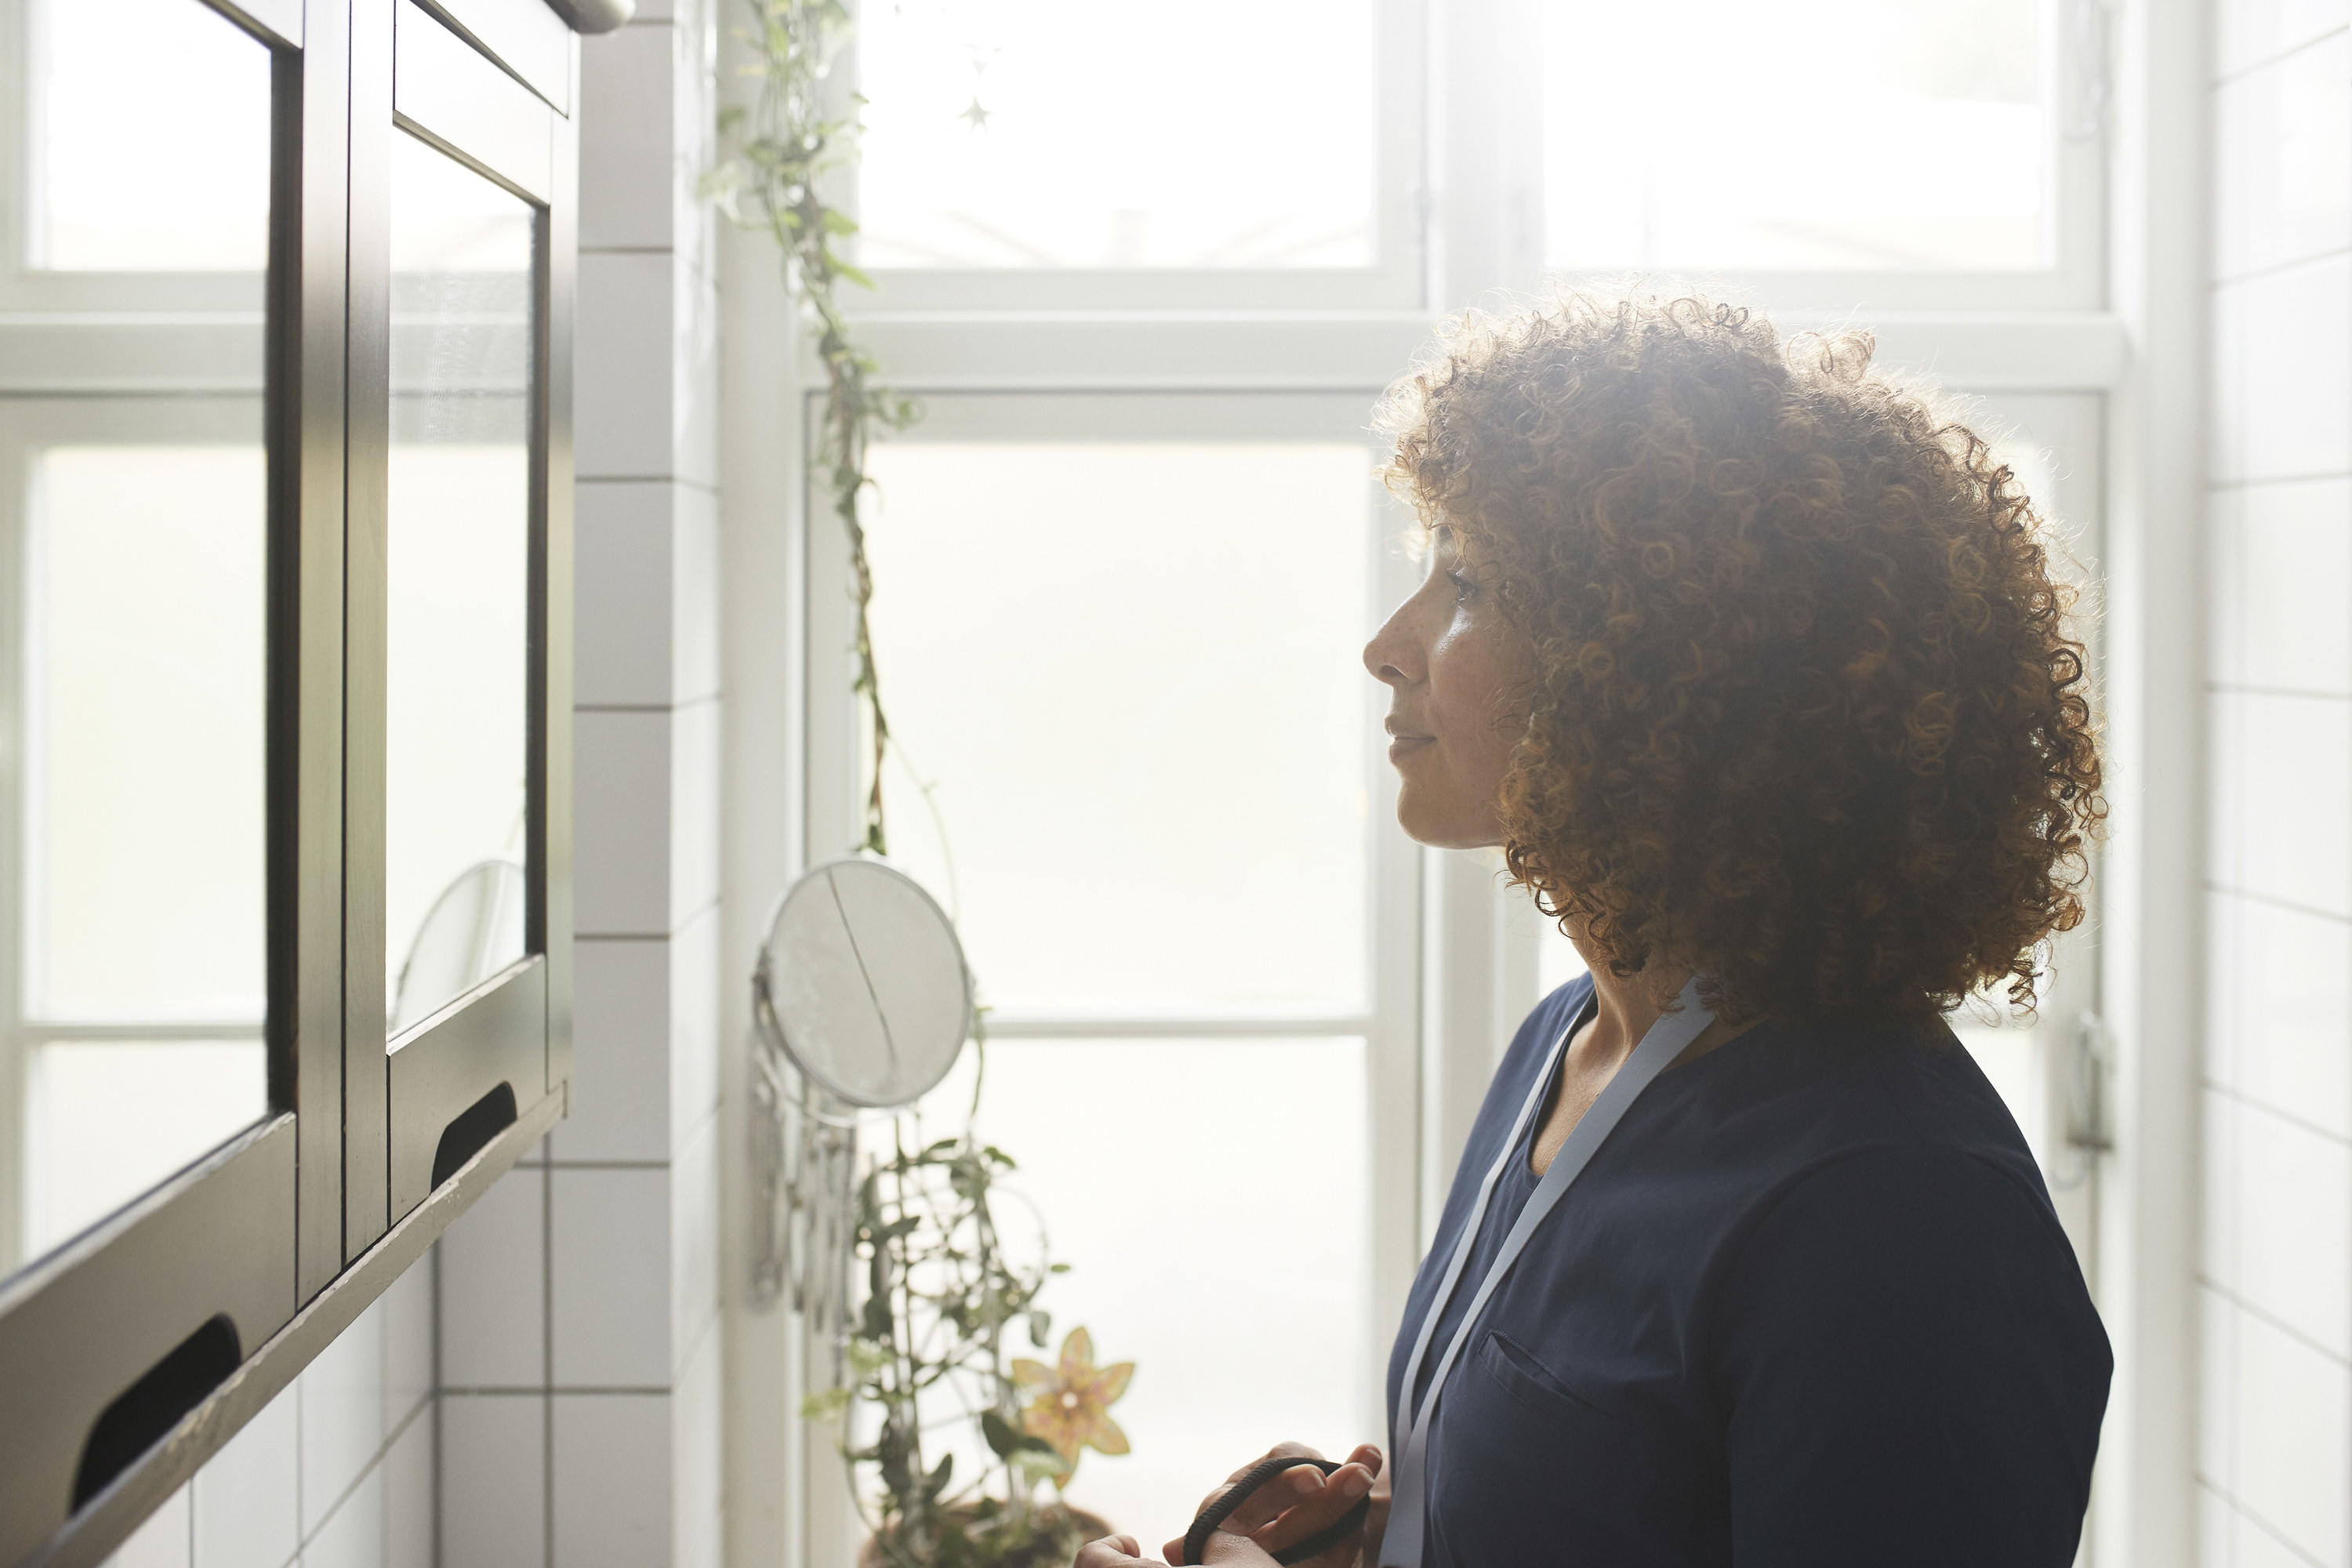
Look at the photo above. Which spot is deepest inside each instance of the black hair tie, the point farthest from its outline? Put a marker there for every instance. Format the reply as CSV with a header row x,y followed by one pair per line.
x,y
1196,1540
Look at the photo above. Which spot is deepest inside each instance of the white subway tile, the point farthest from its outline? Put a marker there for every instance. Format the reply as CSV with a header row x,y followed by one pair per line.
x,y
625,367
2282,361
694,1223
612,1264
2294,1219
2282,160
352,1536
694,983
613,1479
695,393
2229,991
2295,577
626,168
2294,1415
623,598
2225,592
694,574
493,1274
493,1480
162,1541
341,1392
407,1343
2290,979
2294,771
2218,1236
2217,1385
2226,770
695,1441
620,1067
2245,31
694,808
622,783
408,1496
2251,1545
246,1498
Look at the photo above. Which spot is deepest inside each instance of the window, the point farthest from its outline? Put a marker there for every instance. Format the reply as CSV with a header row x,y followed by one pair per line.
x,y
1101,298
1097,613
284,633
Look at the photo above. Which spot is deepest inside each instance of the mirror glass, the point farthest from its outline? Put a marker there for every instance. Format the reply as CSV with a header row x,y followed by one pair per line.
x,y
864,983
456,701
133,534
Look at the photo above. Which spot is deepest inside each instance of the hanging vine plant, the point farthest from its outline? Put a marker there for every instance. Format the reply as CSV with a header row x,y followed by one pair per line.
x,y
780,149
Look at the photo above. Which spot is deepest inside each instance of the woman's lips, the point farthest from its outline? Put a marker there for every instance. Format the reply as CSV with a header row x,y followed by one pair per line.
x,y
1403,745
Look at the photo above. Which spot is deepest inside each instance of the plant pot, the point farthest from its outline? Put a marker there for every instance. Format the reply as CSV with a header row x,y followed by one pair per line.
x,y
1091,1527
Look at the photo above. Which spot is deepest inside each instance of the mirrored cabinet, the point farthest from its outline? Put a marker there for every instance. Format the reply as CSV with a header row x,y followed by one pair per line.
x,y
285,565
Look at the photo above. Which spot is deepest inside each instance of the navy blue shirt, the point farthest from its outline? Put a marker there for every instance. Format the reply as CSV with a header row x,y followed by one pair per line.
x,y
1808,1306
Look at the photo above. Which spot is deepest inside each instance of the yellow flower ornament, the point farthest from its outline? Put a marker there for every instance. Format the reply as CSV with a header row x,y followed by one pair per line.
x,y
1071,1407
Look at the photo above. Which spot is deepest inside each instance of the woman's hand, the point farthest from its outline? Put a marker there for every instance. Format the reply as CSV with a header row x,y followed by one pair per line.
x,y
1294,1505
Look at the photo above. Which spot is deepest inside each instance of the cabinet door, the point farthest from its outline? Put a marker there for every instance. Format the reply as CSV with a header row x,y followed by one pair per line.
x,y
457,904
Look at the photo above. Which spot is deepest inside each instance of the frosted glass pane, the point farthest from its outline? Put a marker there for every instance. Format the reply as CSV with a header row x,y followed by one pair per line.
x,y
145,810
1826,134
1045,133
106,1120
1292,1354
458,556
151,139
1130,675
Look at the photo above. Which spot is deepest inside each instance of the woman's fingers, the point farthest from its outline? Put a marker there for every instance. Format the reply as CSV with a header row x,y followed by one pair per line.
x,y
1110,1551
1332,1498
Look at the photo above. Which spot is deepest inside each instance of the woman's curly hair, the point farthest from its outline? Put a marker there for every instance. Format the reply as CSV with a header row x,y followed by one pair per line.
x,y
1806,714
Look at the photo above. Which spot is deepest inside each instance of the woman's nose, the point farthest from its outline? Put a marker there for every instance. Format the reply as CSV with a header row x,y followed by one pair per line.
x,y
1389,656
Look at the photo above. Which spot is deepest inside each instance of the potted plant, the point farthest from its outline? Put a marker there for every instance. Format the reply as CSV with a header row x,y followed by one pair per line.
x,y
941,1296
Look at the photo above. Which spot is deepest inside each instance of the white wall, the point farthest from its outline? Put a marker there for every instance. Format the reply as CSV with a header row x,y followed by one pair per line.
x,y
2275,1439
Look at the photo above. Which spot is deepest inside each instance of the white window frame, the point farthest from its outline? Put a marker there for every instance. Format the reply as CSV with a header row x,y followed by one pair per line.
x,y
1392,281
2043,349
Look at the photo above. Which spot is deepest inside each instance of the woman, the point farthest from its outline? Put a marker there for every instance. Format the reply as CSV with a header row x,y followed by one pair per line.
x,y
1752,664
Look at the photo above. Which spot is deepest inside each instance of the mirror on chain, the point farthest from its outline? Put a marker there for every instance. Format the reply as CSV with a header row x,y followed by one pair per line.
x,y
860,1003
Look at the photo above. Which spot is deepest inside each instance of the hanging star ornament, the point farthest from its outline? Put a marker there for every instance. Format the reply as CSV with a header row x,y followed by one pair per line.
x,y
976,117
1071,1407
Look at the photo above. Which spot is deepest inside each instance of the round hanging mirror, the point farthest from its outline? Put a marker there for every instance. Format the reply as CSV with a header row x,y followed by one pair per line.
x,y
862,984
860,1004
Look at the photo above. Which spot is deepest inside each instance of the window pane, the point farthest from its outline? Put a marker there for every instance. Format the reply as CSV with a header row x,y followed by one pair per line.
x,y
1061,133
144,809
151,139
1828,135
106,1120
1130,675
1293,1358
458,548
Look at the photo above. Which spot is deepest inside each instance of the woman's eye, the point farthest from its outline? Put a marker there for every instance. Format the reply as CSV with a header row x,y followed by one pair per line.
x,y
1462,588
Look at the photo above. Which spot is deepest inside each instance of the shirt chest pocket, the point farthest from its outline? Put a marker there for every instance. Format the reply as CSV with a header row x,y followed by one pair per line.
x,y
1521,1464
1513,1369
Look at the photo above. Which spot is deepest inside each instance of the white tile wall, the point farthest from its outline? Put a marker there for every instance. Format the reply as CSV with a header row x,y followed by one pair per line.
x,y
2290,769
2275,1416
2247,32
621,786
626,152
2282,160
614,1461
248,1499
163,1542
342,1415
621,1076
611,1279
2282,374
493,1480
2281,555
494,1286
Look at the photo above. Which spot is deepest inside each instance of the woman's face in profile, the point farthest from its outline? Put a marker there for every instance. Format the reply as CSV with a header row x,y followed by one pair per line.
x,y
1444,658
